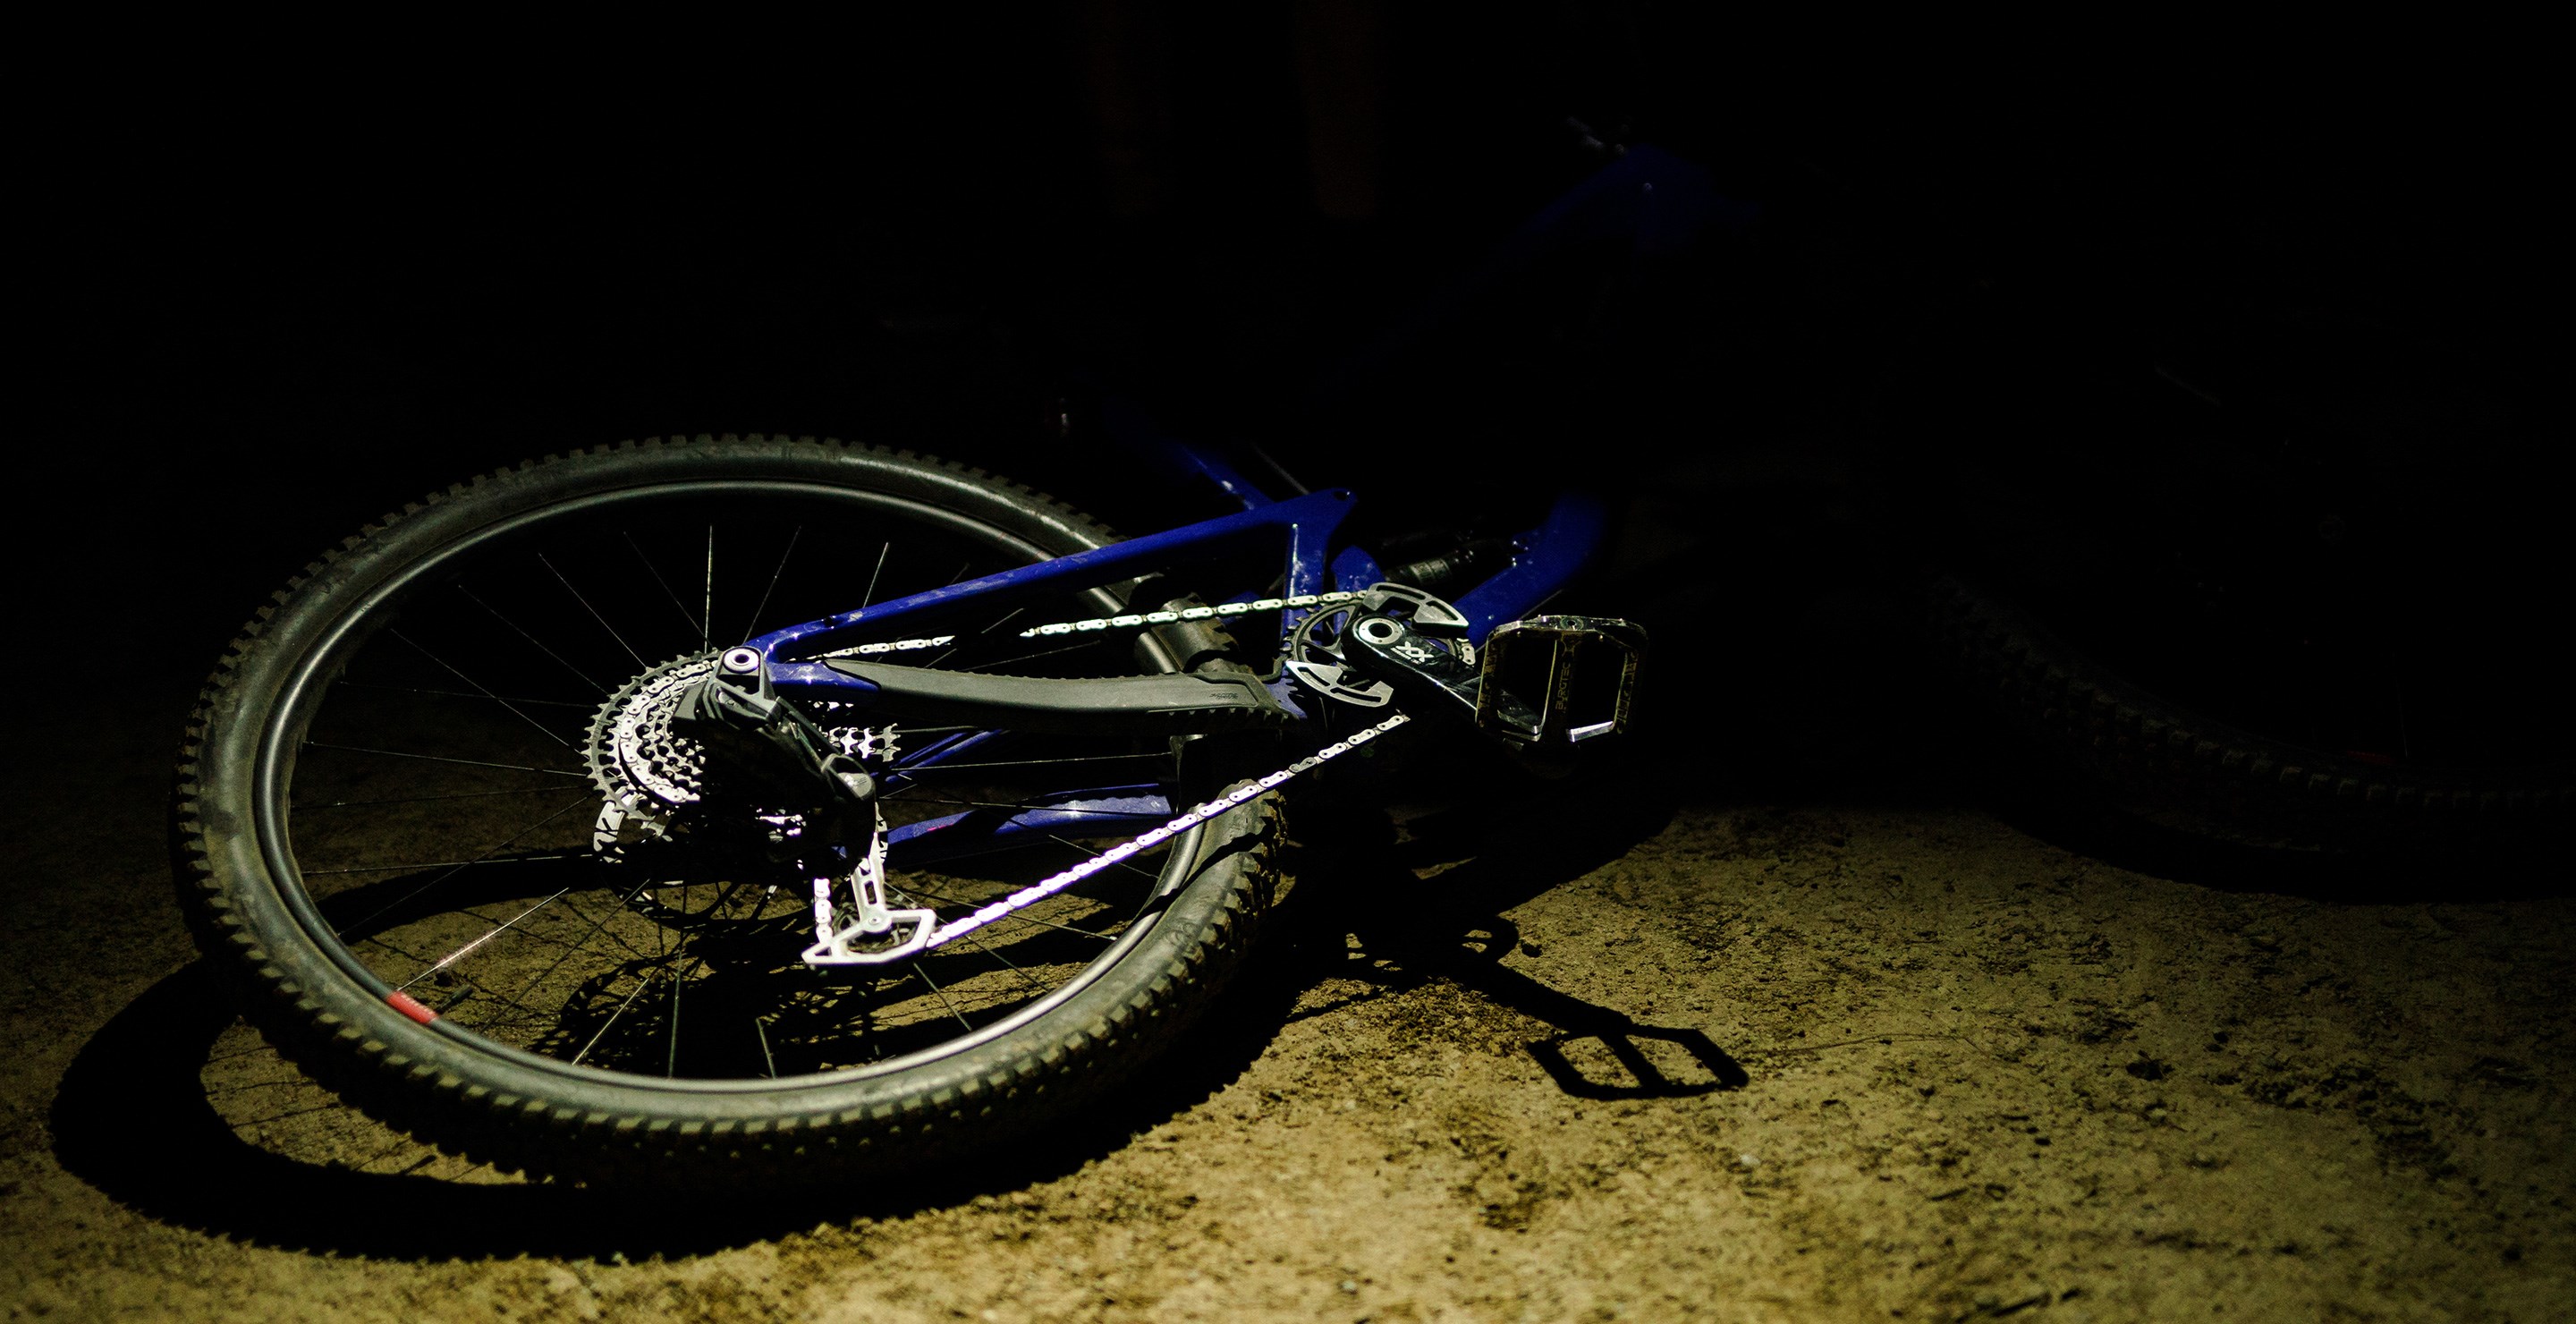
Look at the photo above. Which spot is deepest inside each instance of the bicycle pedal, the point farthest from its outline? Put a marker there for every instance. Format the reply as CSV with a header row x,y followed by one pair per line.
x,y
1579,674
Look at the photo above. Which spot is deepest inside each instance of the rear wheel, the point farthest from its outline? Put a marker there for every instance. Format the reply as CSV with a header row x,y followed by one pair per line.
x,y
401,819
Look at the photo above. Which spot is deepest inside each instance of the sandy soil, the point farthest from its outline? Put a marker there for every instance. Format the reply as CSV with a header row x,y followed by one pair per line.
x,y
1659,1048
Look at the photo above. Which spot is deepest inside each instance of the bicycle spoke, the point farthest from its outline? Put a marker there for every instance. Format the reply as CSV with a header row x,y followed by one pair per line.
x,y
1035,986
414,866
403,950
405,898
754,627
707,613
423,799
1095,854
460,953
463,694
442,758
594,611
641,983
600,925
576,947
451,668
943,996
660,582
876,574
532,639
671,1063
1006,619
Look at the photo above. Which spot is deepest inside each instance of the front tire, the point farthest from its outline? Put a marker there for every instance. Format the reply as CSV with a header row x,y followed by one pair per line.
x,y
2181,769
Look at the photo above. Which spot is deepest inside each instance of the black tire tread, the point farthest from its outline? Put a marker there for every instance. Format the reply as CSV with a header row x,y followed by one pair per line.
x,y
2145,745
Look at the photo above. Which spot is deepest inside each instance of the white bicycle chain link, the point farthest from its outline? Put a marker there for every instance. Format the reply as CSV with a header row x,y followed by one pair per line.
x,y
1139,620
832,947
833,950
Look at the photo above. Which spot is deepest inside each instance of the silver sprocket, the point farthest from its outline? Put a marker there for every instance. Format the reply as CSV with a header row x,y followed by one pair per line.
x,y
645,771
649,775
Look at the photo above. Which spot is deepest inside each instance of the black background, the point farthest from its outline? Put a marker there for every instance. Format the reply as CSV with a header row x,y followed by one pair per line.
x,y
285,281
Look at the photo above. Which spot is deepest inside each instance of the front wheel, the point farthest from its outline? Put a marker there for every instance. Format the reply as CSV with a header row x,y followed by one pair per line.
x,y
401,819
2182,769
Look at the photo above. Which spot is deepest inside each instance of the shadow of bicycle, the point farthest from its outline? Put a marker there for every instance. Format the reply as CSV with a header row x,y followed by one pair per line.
x,y
180,1112
135,1117
1452,927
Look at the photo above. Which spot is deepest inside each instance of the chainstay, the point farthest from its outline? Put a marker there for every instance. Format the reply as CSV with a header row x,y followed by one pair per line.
x,y
1197,814
1143,620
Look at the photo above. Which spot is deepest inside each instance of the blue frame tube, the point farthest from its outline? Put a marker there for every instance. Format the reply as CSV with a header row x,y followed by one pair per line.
x,y
1544,560
1306,524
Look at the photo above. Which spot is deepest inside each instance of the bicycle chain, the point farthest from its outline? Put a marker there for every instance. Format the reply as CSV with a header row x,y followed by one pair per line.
x,y
1120,853
1108,859
1145,620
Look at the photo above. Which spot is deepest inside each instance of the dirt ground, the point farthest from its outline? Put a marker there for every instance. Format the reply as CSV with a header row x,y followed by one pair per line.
x,y
1665,1046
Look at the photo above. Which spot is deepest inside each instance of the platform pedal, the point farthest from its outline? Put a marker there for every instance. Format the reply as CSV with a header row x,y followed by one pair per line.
x,y
1578,672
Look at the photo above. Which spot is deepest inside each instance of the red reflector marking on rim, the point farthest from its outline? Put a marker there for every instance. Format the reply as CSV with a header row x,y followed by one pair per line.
x,y
410,1006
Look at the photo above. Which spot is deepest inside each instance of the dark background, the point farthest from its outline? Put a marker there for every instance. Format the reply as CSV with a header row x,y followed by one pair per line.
x,y
2238,354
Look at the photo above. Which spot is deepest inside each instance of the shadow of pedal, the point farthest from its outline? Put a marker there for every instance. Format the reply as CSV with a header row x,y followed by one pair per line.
x,y
1638,1062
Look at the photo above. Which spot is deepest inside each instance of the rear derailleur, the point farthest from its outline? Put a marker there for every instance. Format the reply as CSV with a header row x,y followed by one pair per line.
x,y
771,752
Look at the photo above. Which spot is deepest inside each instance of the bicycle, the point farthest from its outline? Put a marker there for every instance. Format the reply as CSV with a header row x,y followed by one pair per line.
x,y
756,810
774,810
760,810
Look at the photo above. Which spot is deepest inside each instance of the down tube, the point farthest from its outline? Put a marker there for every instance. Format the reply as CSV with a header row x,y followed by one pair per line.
x,y
1544,560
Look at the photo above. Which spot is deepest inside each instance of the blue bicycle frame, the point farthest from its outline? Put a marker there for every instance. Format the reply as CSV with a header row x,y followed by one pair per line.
x,y
1657,202
1302,529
